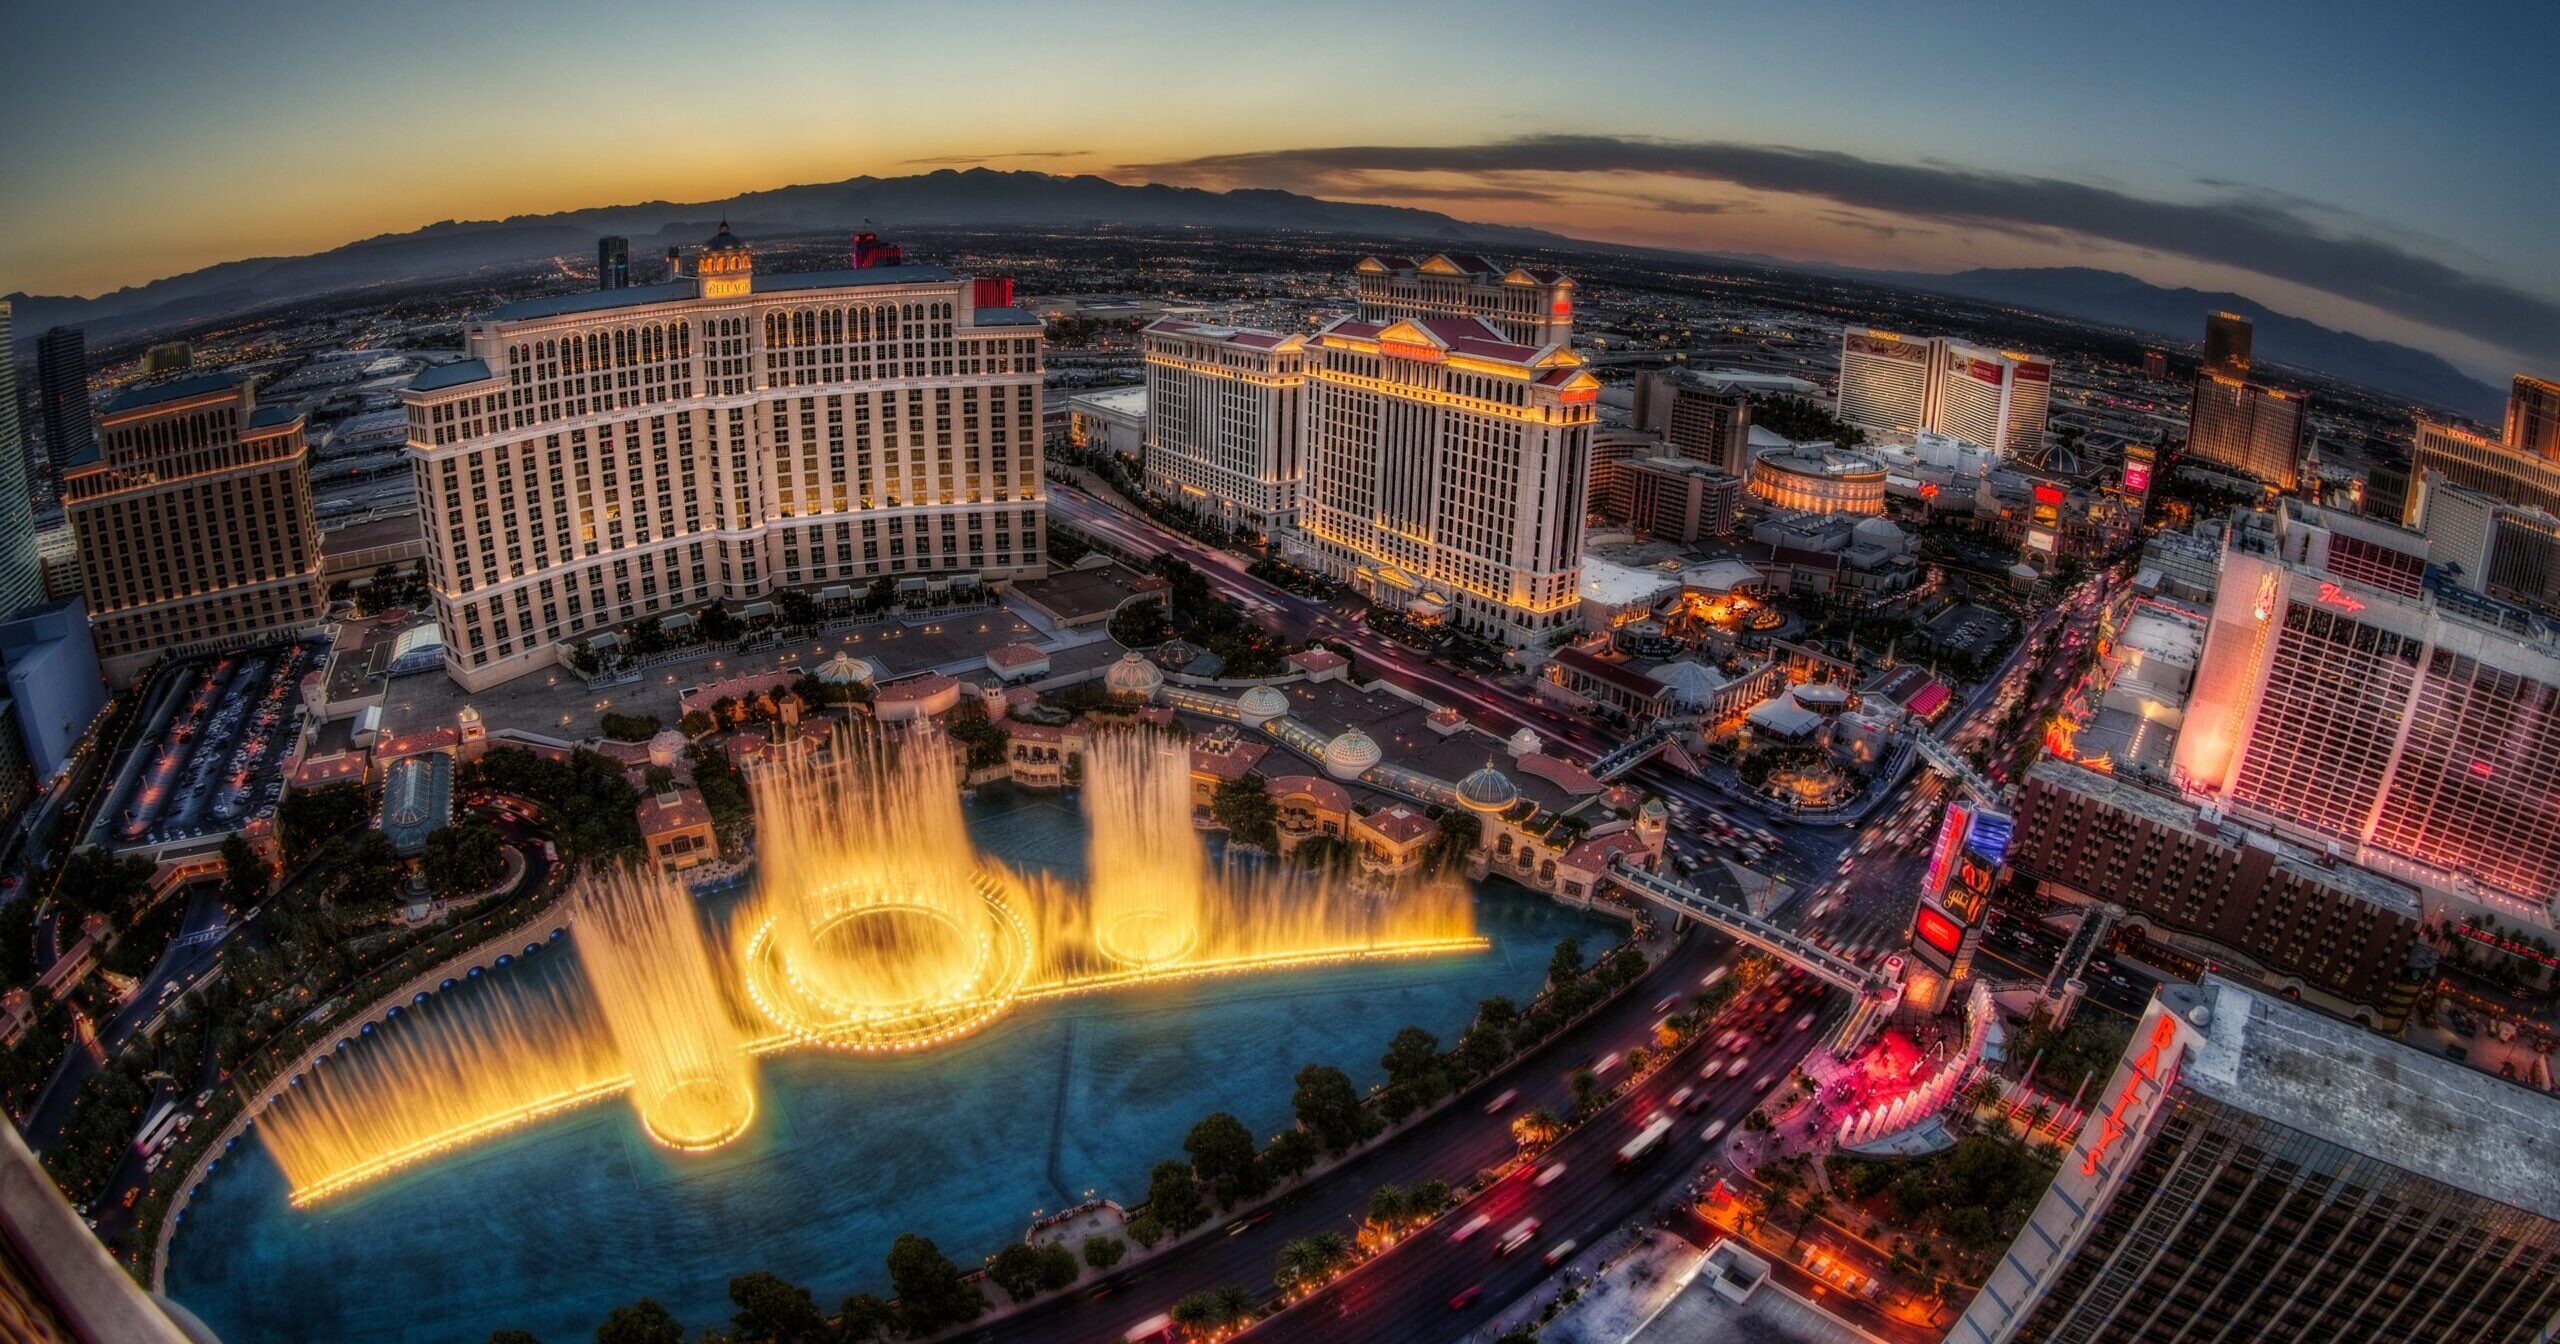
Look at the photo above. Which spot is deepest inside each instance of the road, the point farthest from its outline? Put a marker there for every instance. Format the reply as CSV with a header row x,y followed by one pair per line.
x,y
1437,1286
1453,1145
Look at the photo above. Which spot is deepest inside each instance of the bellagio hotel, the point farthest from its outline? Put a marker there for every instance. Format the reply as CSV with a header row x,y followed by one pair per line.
x,y
642,451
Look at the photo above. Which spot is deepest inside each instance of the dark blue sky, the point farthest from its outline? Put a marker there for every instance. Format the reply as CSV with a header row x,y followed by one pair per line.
x,y
2387,167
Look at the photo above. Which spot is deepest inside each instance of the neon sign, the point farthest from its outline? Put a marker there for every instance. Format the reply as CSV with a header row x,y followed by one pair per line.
x,y
2146,1068
1938,931
2331,595
1943,854
2266,597
2137,478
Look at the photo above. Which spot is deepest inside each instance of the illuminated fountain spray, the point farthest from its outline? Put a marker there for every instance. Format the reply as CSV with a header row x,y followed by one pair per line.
x,y
878,928
1149,868
438,1075
641,946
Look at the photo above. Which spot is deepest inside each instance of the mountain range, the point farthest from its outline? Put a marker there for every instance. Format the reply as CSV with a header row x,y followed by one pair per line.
x,y
986,198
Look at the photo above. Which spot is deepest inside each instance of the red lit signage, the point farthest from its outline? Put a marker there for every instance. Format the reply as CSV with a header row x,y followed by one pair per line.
x,y
1942,855
2137,478
1928,489
2331,595
1564,308
2146,1068
1938,931
1410,350
2049,494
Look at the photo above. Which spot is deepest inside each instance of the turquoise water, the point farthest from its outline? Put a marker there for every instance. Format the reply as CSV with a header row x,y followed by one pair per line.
x,y
546,1229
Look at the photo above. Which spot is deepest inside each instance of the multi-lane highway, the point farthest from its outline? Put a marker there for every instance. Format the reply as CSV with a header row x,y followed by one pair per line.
x,y
1452,1145
1457,1274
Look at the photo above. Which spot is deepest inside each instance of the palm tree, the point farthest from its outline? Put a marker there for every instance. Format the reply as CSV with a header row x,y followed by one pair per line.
x,y
1389,1205
1236,1303
1197,1313
1815,1205
1536,1126
1585,1085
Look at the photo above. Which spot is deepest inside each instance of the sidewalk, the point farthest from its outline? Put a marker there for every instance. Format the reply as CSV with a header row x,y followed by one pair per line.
x,y
1620,1285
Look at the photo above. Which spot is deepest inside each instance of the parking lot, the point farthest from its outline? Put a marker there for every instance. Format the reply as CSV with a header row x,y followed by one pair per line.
x,y
211,756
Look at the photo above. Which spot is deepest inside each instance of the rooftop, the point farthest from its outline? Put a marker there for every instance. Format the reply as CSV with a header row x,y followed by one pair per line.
x,y
456,374
1114,401
2175,814
2333,1080
180,389
677,291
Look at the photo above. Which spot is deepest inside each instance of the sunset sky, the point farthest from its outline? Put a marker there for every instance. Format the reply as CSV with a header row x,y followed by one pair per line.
x,y
2387,168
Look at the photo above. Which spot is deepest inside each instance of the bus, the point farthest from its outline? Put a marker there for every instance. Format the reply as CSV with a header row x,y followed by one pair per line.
x,y
156,1128
1645,1141
1153,1330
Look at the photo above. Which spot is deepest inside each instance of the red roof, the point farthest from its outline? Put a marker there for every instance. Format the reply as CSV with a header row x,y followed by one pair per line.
x,y
1593,855
925,687
1399,825
1931,698
1016,655
680,809
1234,762
1562,773
1318,660
1615,674
1317,790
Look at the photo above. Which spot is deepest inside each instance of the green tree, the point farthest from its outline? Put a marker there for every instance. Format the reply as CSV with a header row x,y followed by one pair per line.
x,y
1058,1266
1389,1205
1327,1106
306,818
1243,805
864,1317
630,727
1291,1152
1566,964
774,1310
1235,1303
1586,1091
1102,1252
932,1295
643,1322
1146,1230
244,874
1197,1313
1016,1269
1310,1260
1174,1197
1429,1198
1221,1151
463,858
1413,1054
94,882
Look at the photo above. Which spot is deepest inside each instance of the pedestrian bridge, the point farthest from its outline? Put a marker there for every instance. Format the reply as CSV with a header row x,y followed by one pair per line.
x,y
1947,761
1785,944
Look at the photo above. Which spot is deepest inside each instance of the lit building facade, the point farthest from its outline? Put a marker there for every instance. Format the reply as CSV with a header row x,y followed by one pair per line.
x,y
1820,480
2227,338
609,456
2522,468
1710,424
1226,421
1446,471
1527,305
21,572
2250,428
193,511
2255,1169
1681,500
1900,386
2340,700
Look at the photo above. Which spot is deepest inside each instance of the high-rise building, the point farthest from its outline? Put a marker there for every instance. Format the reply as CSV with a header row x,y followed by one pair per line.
x,y
1446,466
600,458
2256,430
1681,499
1226,414
2227,338
1884,380
21,572
2341,699
62,394
2533,417
2155,366
1525,305
2483,544
1613,451
168,359
193,509
613,263
59,1285
2257,1170
1651,408
1711,423
1901,386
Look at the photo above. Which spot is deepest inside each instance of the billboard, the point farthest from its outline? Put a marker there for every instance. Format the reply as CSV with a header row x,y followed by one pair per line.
x,y
1937,933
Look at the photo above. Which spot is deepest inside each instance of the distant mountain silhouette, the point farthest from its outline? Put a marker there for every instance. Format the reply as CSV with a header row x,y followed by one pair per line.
x,y
2117,299
974,198
986,198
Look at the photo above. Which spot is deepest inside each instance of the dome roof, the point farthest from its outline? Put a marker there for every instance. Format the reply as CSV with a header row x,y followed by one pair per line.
x,y
844,670
724,241
1881,531
1351,755
1132,675
1526,742
1488,790
1691,683
1262,703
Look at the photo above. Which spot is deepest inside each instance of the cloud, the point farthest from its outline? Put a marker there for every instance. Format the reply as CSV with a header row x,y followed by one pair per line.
x,y
2244,228
945,160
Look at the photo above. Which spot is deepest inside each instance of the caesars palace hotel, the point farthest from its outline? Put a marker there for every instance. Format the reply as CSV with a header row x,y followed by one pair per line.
x,y
603,457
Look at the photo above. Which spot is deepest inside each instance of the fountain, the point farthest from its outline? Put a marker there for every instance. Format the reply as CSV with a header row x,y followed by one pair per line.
x,y
641,947
877,927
